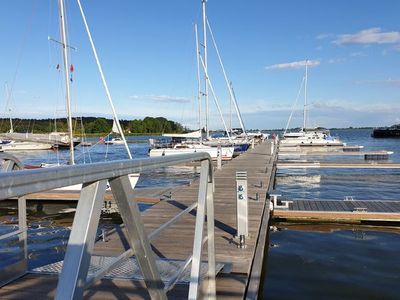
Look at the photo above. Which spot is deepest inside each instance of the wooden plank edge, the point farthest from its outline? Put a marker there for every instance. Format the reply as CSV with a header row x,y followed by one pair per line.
x,y
336,217
257,267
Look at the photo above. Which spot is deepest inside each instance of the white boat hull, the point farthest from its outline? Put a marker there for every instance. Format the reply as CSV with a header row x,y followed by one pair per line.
x,y
227,152
305,142
24,146
310,138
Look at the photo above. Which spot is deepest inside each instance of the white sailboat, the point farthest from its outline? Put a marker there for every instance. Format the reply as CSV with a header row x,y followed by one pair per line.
x,y
308,136
193,142
114,140
183,143
12,146
11,141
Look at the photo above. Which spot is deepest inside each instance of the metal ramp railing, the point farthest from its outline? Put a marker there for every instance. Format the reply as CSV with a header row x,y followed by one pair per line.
x,y
19,267
74,278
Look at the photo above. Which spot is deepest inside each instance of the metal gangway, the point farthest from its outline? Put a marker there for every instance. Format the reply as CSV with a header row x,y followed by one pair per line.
x,y
75,277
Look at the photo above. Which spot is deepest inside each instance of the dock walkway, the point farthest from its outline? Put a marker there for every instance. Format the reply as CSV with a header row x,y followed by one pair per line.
x,y
177,241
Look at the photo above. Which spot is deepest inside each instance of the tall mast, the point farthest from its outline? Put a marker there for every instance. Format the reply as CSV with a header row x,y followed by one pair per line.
x,y
198,75
305,98
205,66
230,111
61,7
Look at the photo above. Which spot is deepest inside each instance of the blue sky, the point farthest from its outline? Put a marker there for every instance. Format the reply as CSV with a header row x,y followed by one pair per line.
x,y
147,49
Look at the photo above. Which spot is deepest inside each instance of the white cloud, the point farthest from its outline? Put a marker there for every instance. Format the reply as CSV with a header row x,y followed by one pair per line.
x,y
161,98
369,36
294,65
323,36
336,60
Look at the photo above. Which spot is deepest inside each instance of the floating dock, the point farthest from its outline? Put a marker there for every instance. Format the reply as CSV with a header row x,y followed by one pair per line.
x,y
347,165
340,211
373,155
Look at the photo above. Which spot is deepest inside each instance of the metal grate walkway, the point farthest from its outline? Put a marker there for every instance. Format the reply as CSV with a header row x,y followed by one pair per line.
x,y
130,269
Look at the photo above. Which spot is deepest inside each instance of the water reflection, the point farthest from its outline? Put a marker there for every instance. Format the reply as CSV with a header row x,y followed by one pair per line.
x,y
332,262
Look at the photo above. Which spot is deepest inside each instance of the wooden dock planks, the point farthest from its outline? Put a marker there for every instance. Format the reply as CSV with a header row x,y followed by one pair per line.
x,y
341,211
143,195
177,241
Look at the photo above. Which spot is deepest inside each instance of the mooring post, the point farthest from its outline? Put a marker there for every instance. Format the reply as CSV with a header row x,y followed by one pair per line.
x,y
219,158
242,207
252,144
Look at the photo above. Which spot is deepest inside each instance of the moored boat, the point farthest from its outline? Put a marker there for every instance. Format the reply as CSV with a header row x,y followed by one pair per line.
x,y
311,137
24,146
387,132
308,136
183,143
181,148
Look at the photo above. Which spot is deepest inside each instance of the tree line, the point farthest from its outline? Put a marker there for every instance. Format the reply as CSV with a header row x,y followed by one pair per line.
x,y
93,125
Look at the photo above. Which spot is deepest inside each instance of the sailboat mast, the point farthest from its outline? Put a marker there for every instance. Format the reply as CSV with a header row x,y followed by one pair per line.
x,y
61,6
305,98
198,74
230,111
205,67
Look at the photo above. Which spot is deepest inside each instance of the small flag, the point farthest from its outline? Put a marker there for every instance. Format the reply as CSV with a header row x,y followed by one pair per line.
x,y
71,68
58,67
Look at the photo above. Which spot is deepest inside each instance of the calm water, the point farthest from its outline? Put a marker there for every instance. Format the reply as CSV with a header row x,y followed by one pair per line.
x,y
315,262
50,222
304,262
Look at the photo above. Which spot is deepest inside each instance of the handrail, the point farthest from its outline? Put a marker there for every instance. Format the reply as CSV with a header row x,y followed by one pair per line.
x,y
20,267
24,182
74,277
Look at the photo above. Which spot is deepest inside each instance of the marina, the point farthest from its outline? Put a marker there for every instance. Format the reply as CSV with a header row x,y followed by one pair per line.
x,y
199,150
239,257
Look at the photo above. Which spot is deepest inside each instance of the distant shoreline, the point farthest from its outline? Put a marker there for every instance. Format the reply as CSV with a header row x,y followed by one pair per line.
x,y
47,126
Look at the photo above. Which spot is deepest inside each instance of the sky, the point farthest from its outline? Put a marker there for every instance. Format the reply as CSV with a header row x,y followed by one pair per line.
x,y
148,53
